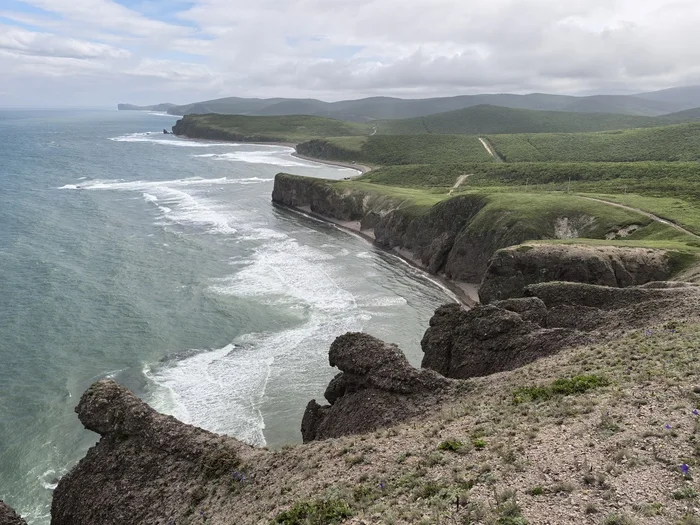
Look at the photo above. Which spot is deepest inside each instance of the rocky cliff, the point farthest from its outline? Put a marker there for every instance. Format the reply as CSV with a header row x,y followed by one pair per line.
x,y
508,334
458,237
443,239
512,269
9,517
376,388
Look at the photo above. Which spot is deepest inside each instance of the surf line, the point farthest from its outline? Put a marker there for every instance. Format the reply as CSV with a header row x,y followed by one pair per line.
x,y
451,289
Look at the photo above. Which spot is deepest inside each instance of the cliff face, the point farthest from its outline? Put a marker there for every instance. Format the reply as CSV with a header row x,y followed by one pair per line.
x,y
512,269
8,516
443,239
146,468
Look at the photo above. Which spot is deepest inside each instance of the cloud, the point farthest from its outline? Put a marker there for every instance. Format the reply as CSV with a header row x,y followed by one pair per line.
x,y
350,48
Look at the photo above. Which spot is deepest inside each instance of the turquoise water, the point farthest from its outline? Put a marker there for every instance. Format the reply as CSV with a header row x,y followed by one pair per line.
x,y
161,262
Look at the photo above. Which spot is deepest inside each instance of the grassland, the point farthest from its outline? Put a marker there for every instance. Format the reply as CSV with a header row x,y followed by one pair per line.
x,y
494,119
669,143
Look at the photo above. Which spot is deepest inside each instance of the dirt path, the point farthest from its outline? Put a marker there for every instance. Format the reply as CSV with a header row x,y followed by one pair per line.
x,y
645,213
490,149
460,181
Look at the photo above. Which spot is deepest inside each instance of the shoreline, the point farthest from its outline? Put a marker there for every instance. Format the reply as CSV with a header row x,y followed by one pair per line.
x,y
357,167
465,293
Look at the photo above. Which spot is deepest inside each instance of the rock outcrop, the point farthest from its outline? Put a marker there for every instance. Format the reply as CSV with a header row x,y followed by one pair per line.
x,y
377,387
8,516
146,468
512,269
487,339
509,334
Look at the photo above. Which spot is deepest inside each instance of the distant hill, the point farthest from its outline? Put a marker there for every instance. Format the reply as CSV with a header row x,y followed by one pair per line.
x,y
495,119
687,96
388,108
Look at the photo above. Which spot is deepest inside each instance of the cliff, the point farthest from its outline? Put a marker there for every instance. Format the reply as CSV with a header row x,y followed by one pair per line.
x,y
457,237
512,269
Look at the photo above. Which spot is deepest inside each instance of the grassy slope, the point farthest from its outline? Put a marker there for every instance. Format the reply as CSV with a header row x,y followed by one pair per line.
x,y
399,149
494,119
670,143
610,455
295,128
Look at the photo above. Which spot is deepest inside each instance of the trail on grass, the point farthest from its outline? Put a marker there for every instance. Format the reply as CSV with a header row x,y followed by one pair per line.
x,y
490,149
645,213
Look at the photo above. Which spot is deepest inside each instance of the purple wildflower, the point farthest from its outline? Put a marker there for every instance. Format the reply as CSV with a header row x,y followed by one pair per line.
x,y
667,427
696,412
685,469
381,485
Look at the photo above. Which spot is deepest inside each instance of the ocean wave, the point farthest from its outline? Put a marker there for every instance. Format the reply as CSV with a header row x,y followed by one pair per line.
x,y
170,140
275,158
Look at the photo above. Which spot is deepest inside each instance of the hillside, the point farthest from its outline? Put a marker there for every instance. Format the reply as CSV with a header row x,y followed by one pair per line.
x,y
388,150
669,143
496,119
295,128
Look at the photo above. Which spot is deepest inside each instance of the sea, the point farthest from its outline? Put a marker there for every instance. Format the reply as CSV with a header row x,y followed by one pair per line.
x,y
160,262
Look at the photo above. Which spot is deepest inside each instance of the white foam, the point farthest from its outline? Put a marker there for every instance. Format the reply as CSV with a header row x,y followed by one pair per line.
x,y
182,201
172,140
150,198
70,187
275,158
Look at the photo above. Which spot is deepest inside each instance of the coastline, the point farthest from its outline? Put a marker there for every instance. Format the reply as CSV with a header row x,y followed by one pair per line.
x,y
357,167
465,293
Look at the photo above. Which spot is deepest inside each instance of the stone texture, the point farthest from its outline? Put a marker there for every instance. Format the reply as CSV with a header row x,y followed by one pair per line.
x,y
8,516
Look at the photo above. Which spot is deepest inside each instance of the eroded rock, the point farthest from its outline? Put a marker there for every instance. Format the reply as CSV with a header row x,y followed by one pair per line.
x,y
147,467
377,387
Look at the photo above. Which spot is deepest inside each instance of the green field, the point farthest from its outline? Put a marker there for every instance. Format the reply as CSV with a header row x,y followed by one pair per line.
x,y
675,143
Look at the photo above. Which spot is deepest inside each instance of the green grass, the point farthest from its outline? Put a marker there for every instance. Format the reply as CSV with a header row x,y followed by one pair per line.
x,y
675,210
496,119
674,143
391,150
560,387
294,128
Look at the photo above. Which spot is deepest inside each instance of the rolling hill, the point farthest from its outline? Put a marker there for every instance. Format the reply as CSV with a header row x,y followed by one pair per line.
x,y
383,108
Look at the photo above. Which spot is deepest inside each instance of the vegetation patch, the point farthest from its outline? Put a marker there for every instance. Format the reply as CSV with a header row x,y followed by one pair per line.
x,y
560,387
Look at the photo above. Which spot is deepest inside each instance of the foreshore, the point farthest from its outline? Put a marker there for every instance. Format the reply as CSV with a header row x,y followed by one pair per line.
x,y
466,293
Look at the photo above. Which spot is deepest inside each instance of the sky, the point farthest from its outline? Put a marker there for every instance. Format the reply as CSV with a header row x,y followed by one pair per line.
x,y
72,53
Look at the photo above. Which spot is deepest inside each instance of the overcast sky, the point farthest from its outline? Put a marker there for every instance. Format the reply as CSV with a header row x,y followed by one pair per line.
x,y
100,52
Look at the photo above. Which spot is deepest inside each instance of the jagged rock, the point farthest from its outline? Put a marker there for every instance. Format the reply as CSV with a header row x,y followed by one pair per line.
x,y
512,269
377,387
147,467
530,309
487,339
8,516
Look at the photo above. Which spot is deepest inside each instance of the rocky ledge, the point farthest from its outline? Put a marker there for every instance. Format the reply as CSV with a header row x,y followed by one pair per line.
x,y
8,516
377,387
